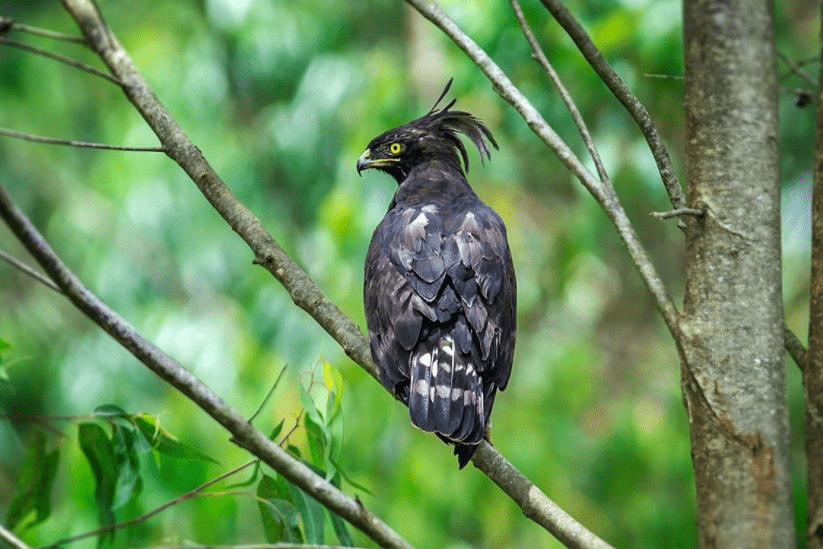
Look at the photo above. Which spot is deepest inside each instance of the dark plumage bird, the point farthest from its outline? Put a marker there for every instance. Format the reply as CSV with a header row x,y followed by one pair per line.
x,y
440,293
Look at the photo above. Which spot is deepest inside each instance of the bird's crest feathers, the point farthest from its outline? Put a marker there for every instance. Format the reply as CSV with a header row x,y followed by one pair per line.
x,y
448,122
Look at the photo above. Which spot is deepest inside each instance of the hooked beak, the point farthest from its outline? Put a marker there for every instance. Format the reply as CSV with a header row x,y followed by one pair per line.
x,y
364,161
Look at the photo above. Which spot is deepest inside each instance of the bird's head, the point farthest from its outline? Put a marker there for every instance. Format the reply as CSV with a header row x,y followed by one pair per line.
x,y
433,136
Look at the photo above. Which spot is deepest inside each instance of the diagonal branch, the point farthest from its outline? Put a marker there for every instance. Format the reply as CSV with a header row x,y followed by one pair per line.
x,y
537,53
637,110
29,270
7,24
243,433
268,253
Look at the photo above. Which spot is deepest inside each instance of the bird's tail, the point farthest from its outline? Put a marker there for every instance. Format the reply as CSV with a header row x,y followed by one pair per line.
x,y
446,395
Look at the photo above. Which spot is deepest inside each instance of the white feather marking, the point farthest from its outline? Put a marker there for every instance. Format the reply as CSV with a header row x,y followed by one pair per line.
x,y
430,209
421,387
435,364
443,391
419,222
425,360
456,394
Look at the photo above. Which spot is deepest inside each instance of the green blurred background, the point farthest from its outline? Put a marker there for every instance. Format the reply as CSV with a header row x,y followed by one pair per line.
x,y
282,97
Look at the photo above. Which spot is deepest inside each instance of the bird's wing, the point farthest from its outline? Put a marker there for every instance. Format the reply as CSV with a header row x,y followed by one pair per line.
x,y
480,267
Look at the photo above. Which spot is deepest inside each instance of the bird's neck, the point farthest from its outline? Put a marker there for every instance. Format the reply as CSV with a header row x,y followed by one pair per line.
x,y
434,181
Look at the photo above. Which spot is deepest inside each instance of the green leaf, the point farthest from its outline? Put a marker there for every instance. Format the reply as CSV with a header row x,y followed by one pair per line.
x,y
316,440
311,511
252,478
109,410
129,483
280,519
4,345
334,383
276,431
334,445
100,454
341,530
309,407
162,441
34,484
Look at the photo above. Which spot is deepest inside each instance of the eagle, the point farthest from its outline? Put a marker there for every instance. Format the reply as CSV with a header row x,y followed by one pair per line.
x,y
439,284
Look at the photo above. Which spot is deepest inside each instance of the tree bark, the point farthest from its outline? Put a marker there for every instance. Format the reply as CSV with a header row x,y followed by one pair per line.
x,y
732,324
813,363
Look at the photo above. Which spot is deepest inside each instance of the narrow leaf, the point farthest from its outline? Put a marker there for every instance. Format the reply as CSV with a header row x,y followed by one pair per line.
x,y
317,442
341,529
334,383
35,480
100,454
280,519
162,441
109,410
311,511
276,431
129,483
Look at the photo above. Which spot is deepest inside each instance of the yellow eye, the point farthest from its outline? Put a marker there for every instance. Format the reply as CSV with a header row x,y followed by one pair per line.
x,y
394,148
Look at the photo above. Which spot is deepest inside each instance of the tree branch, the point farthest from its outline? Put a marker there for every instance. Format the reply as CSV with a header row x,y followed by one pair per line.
x,y
7,24
57,57
537,53
243,433
78,144
13,541
635,108
29,270
145,516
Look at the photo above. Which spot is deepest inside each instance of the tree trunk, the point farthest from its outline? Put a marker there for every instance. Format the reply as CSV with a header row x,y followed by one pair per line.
x,y
813,367
732,324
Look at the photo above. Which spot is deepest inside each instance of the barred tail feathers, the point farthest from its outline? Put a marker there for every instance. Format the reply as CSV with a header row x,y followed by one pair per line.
x,y
446,393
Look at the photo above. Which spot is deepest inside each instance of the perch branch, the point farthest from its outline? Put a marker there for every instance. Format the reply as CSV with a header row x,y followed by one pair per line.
x,y
243,433
13,541
795,68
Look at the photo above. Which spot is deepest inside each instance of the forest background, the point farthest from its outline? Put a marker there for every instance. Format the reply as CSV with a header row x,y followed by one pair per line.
x,y
282,97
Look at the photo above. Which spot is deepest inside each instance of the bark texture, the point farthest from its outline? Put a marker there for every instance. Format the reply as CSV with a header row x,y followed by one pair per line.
x,y
813,363
732,324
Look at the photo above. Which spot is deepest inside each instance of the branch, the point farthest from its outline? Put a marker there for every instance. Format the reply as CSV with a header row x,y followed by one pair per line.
x,y
57,57
678,212
795,68
7,24
795,348
144,517
636,109
11,539
78,144
243,433
564,94
29,270
255,546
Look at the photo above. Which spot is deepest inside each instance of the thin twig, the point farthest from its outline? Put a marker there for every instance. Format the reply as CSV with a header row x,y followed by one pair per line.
x,y
678,212
70,143
797,70
795,348
635,108
7,23
11,539
663,76
29,270
540,56
243,433
61,58
260,546
145,516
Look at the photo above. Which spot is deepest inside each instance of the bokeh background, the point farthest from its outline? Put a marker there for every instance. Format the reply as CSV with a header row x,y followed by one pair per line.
x,y
282,97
